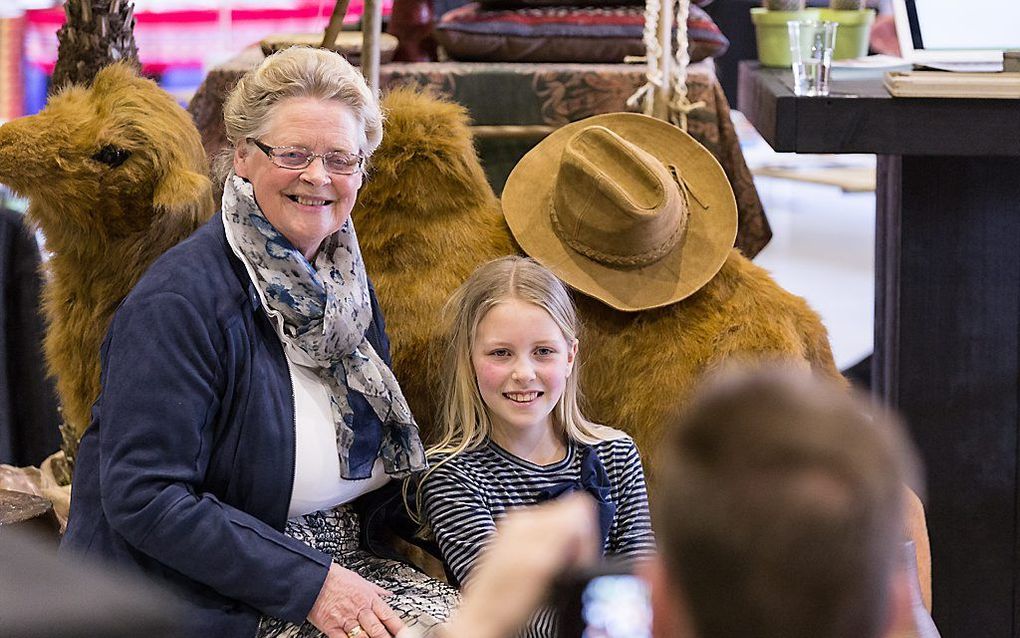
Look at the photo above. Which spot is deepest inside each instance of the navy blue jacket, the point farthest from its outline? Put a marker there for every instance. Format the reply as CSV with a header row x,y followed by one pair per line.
x,y
187,469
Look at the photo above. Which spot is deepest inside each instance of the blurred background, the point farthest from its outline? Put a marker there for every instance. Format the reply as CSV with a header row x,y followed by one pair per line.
x,y
178,40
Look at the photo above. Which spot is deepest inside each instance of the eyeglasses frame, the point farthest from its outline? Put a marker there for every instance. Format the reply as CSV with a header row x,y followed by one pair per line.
x,y
270,150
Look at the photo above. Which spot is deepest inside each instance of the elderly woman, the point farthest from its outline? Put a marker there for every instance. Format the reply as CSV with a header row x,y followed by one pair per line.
x,y
247,396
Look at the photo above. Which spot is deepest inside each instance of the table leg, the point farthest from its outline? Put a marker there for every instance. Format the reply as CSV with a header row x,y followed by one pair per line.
x,y
947,345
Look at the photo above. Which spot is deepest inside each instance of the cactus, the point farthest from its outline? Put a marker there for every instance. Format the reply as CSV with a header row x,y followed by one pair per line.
x,y
96,33
784,5
846,5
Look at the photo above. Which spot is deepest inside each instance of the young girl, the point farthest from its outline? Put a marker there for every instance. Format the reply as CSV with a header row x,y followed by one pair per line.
x,y
512,432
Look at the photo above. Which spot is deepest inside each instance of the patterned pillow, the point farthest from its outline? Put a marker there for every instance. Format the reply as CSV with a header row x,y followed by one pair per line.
x,y
562,34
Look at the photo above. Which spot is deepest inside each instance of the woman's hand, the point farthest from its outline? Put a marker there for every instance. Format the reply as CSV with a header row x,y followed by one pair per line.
x,y
348,601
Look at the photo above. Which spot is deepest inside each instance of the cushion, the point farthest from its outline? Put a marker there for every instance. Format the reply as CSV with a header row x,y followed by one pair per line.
x,y
562,34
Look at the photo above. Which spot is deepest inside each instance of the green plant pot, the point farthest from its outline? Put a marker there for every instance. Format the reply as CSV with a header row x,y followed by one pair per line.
x,y
852,33
773,35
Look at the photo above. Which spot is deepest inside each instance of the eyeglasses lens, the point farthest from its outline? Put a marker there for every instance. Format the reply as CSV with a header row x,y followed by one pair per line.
x,y
343,164
293,158
296,158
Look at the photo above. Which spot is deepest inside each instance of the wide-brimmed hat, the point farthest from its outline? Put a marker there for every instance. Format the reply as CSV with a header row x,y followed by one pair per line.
x,y
623,207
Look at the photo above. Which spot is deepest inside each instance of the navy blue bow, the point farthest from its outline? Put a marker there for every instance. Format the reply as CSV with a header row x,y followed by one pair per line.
x,y
595,482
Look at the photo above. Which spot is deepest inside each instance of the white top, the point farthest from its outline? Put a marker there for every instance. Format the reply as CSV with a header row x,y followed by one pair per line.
x,y
317,482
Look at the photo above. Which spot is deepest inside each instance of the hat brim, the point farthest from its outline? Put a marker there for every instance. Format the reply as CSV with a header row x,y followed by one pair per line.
x,y
711,225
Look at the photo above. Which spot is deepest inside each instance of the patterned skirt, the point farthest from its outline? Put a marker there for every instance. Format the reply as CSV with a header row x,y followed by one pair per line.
x,y
419,600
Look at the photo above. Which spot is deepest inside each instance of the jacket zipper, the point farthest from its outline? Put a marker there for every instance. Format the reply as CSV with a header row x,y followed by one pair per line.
x,y
293,428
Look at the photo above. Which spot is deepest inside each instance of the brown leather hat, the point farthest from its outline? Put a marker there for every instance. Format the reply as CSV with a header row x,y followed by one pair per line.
x,y
623,207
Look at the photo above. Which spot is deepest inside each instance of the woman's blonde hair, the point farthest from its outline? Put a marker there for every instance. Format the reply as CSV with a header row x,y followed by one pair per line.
x,y
297,72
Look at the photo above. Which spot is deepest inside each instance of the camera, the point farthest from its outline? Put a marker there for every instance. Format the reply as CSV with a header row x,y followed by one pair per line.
x,y
608,601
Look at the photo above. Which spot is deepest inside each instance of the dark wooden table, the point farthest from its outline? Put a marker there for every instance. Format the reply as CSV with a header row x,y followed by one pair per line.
x,y
947,326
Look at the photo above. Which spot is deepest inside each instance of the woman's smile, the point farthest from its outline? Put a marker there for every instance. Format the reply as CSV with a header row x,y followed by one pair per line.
x,y
312,202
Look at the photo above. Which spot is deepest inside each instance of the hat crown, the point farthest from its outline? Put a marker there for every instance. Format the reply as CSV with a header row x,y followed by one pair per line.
x,y
614,202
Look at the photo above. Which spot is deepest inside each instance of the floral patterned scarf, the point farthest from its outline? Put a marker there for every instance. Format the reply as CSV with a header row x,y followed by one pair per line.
x,y
326,311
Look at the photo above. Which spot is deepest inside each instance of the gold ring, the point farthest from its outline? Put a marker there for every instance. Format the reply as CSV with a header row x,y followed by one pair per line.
x,y
355,632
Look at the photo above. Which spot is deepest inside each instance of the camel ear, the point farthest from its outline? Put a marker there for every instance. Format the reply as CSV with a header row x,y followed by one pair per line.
x,y
183,200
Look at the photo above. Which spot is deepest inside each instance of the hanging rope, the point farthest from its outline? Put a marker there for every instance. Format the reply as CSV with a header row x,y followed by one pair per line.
x,y
679,106
645,96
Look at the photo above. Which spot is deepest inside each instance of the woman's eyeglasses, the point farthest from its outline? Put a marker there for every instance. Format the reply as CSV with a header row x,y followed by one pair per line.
x,y
296,158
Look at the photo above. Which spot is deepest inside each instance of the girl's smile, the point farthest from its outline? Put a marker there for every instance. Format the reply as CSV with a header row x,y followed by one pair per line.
x,y
523,397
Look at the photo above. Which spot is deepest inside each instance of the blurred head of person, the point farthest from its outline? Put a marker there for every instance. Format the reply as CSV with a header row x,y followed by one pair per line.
x,y
779,511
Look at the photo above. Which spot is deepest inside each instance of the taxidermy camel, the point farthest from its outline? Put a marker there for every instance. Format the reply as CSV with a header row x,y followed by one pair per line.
x,y
427,217
115,174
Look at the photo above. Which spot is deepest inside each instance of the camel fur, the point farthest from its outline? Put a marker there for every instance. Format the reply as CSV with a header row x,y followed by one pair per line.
x,y
115,174
427,218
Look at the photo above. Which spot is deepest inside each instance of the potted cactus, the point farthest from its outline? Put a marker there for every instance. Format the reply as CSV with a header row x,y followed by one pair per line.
x,y
854,27
770,28
784,5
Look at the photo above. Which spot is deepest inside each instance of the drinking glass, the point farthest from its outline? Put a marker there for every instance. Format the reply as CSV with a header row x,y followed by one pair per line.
x,y
811,45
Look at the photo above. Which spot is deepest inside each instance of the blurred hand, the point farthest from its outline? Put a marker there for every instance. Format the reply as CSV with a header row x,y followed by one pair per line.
x,y
532,546
346,601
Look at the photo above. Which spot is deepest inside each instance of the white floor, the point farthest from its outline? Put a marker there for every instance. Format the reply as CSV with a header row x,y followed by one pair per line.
x,y
822,246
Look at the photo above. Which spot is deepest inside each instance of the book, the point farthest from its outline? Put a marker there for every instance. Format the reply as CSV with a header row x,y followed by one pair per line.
x,y
1011,60
867,66
953,85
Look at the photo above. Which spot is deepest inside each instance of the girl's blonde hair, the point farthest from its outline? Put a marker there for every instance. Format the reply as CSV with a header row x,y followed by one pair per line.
x,y
463,418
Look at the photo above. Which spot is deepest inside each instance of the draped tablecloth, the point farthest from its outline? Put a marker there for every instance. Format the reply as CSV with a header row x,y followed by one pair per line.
x,y
523,94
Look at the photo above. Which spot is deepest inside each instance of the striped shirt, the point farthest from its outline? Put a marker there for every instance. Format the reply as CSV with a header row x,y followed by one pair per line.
x,y
464,498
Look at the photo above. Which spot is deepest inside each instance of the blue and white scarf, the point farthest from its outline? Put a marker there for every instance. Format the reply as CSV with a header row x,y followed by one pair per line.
x,y
326,311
